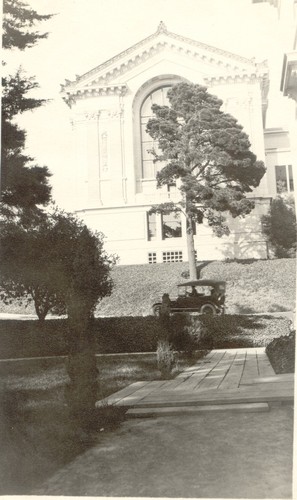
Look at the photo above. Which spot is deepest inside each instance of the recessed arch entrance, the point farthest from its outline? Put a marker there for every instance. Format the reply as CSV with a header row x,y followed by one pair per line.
x,y
152,91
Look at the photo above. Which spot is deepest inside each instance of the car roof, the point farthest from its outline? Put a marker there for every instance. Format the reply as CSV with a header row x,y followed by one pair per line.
x,y
202,283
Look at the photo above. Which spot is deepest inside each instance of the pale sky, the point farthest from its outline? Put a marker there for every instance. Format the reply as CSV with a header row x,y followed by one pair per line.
x,y
85,33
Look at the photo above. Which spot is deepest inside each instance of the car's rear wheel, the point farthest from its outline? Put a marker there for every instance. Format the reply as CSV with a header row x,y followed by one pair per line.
x,y
208,309
157,310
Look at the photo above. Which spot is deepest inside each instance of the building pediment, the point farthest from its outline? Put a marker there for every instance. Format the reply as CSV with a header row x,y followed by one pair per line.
x,y
110,77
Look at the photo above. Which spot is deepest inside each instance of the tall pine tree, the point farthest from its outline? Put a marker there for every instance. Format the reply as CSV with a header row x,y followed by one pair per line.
x,y
208,155
23,184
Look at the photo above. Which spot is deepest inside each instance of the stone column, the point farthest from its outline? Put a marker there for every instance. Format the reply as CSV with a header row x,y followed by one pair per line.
x,y
79,144
117,160
93,159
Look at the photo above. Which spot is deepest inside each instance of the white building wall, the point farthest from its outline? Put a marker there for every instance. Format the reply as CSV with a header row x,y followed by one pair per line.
x,y
112,197
128,235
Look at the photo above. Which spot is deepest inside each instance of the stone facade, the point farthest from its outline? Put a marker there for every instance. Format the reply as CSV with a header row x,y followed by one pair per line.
x,y
113,194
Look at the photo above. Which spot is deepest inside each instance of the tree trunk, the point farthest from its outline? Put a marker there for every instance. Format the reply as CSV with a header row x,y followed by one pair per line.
x,y
81,367
41,313
191,250
41,307
165,317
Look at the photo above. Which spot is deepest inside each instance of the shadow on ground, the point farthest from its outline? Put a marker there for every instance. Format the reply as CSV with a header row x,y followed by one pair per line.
x,y
39,435
208,456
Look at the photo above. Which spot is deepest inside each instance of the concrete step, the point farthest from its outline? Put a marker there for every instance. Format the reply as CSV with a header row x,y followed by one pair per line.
x,y
274,379
186,410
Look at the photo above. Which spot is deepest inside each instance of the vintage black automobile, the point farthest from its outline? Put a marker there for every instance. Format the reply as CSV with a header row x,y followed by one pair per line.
x,y
199,296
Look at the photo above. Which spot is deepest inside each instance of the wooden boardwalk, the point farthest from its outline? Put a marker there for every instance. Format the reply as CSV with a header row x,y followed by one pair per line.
x,y
224,377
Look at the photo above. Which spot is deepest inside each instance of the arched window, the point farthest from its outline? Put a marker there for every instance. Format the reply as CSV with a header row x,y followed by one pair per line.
x,y
158,96
152,91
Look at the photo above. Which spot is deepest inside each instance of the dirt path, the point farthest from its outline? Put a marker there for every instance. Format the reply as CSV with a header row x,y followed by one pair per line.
x,y
210,456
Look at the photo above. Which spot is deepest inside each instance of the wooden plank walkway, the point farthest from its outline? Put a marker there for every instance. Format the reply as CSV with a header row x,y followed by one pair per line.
x,y
192,410
223,377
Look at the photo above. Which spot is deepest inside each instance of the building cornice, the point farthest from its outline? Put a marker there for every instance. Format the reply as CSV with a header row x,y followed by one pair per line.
x,y
273,151
274,131
71,96
234,78
140,205
162,30
91,83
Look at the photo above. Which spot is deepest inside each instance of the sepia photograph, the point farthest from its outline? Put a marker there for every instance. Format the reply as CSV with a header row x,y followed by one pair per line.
x,y
148,248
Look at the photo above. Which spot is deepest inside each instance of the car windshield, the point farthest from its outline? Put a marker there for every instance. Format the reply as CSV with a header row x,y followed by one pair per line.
x,y
185,291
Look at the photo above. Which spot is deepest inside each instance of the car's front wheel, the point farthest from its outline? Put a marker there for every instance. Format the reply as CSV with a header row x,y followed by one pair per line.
x,y
208,309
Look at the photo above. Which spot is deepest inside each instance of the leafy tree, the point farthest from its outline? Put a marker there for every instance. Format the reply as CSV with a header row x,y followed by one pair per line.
x,y
280,226
26,266
23,184
208,155
51,260
61,265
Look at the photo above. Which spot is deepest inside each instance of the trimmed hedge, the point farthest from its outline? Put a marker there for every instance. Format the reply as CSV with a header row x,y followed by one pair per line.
x,y
112,335
281,353
138,334
23,339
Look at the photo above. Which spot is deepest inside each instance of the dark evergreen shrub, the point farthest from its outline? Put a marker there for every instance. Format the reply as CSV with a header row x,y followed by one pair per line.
x,y
280,226
281,353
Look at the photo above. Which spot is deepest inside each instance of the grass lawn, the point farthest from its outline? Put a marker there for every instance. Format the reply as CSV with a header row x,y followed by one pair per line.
x,y
38,435
253,286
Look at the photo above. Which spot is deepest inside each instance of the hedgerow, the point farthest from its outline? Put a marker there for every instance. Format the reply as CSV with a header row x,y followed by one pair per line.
x,y
139,334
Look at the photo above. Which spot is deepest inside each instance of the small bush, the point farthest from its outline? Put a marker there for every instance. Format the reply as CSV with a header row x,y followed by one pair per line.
x,y
165,358
189,334
281,353
280,226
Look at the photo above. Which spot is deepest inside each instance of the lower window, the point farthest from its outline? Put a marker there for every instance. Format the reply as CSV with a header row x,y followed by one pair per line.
x,y
171,225
284,178
152,258
174,256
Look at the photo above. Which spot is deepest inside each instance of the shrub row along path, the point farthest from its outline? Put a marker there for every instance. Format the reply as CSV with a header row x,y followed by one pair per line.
x,y
196,454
